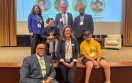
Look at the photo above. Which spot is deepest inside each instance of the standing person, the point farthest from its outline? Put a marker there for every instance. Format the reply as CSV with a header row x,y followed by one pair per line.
x,y
67,52
91,52
81,23
64,18
50,36
35,26
37,68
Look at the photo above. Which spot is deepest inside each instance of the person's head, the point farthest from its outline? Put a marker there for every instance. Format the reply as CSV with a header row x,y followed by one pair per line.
x,y
82,10
40,49
50,22
87,35
63,8
36,10
66,33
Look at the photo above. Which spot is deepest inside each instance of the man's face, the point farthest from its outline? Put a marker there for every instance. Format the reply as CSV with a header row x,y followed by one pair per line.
x,y
82,10
87,37
40,50
51,23
63,8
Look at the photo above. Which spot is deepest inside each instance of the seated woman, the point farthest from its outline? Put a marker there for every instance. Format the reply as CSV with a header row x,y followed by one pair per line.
x,y
91,51
50,36
67,52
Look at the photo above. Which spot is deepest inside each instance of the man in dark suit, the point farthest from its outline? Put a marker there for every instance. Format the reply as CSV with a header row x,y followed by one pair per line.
x,y
82,23
37,68
64,18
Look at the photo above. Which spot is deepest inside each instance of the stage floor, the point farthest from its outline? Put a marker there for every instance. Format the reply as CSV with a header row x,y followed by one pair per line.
x,y
16,54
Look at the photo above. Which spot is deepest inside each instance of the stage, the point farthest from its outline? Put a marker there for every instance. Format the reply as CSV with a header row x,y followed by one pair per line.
x,y
16,54
120,61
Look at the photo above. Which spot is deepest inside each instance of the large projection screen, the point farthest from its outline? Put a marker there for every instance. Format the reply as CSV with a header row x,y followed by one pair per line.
x,y
101,10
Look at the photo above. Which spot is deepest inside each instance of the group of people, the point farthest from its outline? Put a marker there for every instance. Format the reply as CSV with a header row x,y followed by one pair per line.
x,y
66,39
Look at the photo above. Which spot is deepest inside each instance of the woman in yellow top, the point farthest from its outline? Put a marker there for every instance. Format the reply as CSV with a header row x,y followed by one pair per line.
x,y
91,52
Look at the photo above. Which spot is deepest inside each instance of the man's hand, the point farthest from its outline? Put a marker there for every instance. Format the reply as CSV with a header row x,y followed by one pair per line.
x,y
50,37
96,64
98,60
47,81
44,81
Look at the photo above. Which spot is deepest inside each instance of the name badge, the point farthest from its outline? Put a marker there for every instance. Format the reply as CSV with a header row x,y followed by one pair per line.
x,y
92,54
81,23
60,20
39,25
67,58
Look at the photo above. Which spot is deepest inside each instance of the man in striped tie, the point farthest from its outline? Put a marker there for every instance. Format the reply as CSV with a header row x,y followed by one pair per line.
x,y
37,68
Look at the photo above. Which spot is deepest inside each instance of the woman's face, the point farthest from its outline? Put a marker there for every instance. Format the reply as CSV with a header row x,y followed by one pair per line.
x,y
51,23
36,9
67,32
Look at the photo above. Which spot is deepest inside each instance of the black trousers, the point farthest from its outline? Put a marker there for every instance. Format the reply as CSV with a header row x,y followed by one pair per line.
x,y
80,40
35,39
68,74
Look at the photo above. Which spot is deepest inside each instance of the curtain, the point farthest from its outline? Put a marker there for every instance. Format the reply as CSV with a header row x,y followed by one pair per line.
x,y
7,22
127,31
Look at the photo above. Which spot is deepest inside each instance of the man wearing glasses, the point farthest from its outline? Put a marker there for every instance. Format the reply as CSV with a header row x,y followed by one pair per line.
x,y
37,68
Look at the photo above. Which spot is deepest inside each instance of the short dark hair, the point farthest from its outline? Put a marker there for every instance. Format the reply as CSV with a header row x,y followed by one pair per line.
x,y
86,32
47,21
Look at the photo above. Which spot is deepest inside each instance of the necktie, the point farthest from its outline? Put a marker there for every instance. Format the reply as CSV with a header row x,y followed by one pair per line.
x,y
43,67
64,20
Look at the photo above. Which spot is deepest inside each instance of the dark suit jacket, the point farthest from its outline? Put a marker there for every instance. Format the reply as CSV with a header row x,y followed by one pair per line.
x,y
87,25
30,71
61,49
59,24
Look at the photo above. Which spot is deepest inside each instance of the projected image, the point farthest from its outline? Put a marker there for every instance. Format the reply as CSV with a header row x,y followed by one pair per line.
x,y
97,6
58,4
79,3
101,10
44,4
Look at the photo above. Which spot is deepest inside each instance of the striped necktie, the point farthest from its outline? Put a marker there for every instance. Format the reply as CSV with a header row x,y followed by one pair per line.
x,y
64,20
43,67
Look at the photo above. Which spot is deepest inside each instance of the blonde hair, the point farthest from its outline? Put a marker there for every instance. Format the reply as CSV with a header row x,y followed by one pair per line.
x,y
63,37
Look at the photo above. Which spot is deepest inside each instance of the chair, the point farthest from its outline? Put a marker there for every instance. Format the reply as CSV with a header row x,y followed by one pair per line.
x,y
113,41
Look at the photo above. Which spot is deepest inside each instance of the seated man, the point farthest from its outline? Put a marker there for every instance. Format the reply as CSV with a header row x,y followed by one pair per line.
x,y
37,68
91,52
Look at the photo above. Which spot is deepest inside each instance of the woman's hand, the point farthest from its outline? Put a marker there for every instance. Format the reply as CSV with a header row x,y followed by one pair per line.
x,y
66,64
71,64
